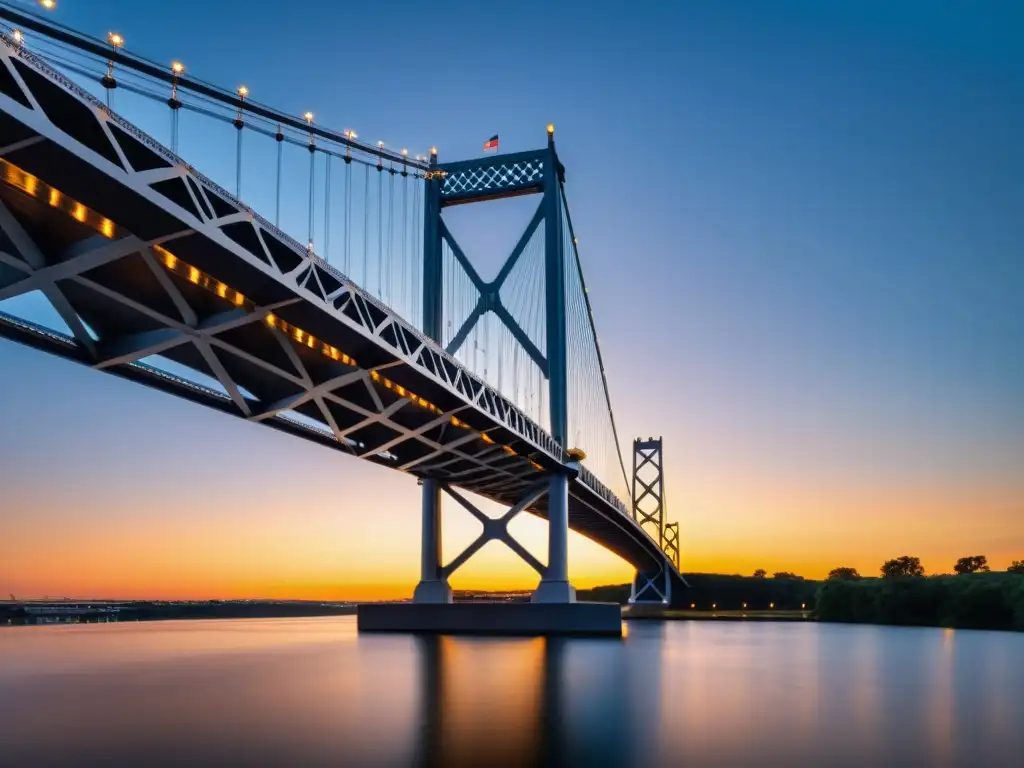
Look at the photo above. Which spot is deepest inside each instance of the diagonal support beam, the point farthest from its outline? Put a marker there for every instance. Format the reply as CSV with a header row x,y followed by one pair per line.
x,y
33,256
497,528
490,294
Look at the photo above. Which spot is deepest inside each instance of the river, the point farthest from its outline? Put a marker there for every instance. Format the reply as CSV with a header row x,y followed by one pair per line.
x,y
314,692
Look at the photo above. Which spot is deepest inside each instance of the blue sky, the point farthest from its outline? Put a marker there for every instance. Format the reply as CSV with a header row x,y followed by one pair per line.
x,y
800,222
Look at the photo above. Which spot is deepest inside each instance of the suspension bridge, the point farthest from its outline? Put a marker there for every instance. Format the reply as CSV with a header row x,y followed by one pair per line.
x,y
318,290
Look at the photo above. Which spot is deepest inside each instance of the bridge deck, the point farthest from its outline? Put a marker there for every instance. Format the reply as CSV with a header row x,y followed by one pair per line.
x,y
143,256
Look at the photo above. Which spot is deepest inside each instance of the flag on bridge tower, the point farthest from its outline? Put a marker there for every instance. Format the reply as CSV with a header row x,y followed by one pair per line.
x,y
491,143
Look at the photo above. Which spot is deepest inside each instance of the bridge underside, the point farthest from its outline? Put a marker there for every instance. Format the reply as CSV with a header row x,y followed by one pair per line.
x,y
141,257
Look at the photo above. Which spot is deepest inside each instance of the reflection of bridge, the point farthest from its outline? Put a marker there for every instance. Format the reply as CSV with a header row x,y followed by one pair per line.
x,y
163,277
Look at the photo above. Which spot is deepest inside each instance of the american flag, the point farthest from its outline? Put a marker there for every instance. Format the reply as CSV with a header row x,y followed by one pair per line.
x,y
491,143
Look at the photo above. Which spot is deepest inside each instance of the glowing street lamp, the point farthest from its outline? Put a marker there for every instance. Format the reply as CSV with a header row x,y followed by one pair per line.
x,y
48,4
108,82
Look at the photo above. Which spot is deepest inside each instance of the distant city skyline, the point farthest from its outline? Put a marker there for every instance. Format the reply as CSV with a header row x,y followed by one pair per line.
x,y
801,231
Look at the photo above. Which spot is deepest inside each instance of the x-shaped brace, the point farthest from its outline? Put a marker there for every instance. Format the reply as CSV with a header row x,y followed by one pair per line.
x,y
490,293
497,528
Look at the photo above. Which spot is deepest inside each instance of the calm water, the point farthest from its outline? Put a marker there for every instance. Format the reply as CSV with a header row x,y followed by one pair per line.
x,y
313,692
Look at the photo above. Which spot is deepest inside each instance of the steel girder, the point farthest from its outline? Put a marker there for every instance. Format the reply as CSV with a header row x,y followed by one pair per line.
x,y
122,306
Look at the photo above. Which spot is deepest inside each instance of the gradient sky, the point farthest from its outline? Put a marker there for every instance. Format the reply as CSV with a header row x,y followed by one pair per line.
x,y
803,230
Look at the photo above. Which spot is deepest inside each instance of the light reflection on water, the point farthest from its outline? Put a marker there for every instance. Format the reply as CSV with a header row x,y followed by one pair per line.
x,y
314,692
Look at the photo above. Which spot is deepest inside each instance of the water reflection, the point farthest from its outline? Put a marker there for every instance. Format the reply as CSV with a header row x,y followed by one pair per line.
x,y
314,692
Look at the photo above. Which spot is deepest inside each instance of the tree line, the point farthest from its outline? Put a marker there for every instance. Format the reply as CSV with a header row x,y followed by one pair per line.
x,y
973,596
906,565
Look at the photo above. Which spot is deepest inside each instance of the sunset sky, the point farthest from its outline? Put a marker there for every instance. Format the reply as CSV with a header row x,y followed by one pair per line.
x,y
802,225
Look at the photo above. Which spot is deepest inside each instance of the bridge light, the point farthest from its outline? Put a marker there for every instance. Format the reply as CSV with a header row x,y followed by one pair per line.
x,y
177,67
693,605
744,605
771,605
714,605
803,605
115,40
433,150
308,117
48,4
350,135
18,37
551,129
405,152
243,91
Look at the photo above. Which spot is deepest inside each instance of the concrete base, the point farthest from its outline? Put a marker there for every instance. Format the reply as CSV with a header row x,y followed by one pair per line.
x,y
493,618
554,592
432,592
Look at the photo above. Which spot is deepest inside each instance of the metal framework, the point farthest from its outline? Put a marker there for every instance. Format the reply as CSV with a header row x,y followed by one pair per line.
x,y
477,181
649,487
670,543
142,256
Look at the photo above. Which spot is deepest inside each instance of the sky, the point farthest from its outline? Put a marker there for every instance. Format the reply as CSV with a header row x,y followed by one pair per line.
x,y
801,226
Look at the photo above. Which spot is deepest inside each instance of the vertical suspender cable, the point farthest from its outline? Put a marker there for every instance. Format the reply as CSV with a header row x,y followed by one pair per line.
x,y
238,161
327,206
391,228
239,124
366,227
405,241
280,144
348,211
380,230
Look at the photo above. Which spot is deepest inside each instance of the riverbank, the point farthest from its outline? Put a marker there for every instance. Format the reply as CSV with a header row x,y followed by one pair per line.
x,y
970,601
100,611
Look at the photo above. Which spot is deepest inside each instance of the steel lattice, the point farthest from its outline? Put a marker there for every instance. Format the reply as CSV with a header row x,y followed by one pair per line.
x,y
494,178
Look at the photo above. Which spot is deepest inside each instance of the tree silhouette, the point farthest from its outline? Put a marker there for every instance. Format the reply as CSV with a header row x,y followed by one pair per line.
x,y
787,575
844,573
760,573
973,564
1017,566
902,566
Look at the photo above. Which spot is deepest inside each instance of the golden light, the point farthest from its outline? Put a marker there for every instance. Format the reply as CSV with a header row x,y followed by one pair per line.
x,y
744,605
308,117
771,605
48,4
714,605
18,37
433,150
350,134
803,605
693,605
551,129
177,67
405,152
116,40
243,91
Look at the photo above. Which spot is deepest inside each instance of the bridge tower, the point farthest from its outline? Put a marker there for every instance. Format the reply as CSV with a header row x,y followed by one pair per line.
x,y
475,181
649,512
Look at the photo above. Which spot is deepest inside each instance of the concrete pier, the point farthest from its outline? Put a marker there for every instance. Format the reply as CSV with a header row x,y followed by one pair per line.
x,y
581,619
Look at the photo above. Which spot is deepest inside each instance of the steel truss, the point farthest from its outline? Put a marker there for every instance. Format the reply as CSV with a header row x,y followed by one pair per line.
x,y
156,204
649,493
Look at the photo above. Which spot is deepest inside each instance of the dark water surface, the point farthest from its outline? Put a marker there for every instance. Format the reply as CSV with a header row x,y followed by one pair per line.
x,y
313,692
